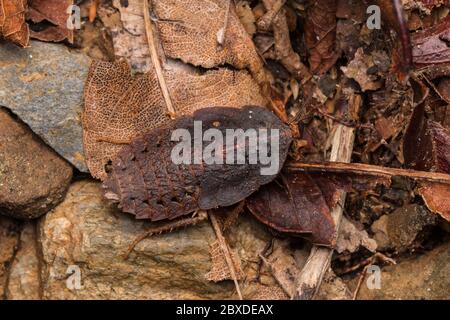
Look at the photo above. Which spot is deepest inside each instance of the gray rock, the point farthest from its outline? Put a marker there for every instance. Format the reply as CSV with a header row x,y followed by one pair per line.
x,y
33,178
43,85
399,229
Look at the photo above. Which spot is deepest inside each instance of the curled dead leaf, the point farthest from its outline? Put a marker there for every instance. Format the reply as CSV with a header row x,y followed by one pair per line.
x,y
12,21
320,35
395,18
51,17
436,196
187,31
426,146
301,203
430,46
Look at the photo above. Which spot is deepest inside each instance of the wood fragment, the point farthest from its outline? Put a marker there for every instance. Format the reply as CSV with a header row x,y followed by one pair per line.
x,y
319,260
370,170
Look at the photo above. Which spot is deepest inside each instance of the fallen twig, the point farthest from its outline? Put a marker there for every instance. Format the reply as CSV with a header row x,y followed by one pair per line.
x,y
369,170
224,247
155,59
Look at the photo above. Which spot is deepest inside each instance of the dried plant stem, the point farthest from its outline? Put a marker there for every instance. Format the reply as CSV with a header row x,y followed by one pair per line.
x,y
319,259
369,170
155,59
222,32
224,247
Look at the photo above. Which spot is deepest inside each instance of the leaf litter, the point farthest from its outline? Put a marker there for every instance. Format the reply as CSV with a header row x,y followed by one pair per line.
x,y
176,58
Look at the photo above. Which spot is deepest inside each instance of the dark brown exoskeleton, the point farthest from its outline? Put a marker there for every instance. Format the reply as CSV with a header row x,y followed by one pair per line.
x,y
147,182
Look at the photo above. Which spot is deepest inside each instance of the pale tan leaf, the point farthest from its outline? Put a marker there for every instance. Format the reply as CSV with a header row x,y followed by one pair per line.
x,y
188,31
219,267
270,293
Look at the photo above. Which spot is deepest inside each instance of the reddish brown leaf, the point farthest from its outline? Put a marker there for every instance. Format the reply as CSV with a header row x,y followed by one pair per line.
x,y
53,12
147,183
301,203
436,197
426,146
12,21
431,46
320,35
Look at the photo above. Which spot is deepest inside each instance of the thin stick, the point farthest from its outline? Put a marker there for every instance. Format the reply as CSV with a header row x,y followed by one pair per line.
x,y
155,59
224,247
222,32
369,170
318,262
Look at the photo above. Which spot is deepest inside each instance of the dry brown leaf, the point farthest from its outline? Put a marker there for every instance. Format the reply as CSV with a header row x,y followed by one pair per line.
x,y
301,203
426,146
270,293
53,12
357,69
119,106
320,35
430,46
188,32
436,197
219,267
12,21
